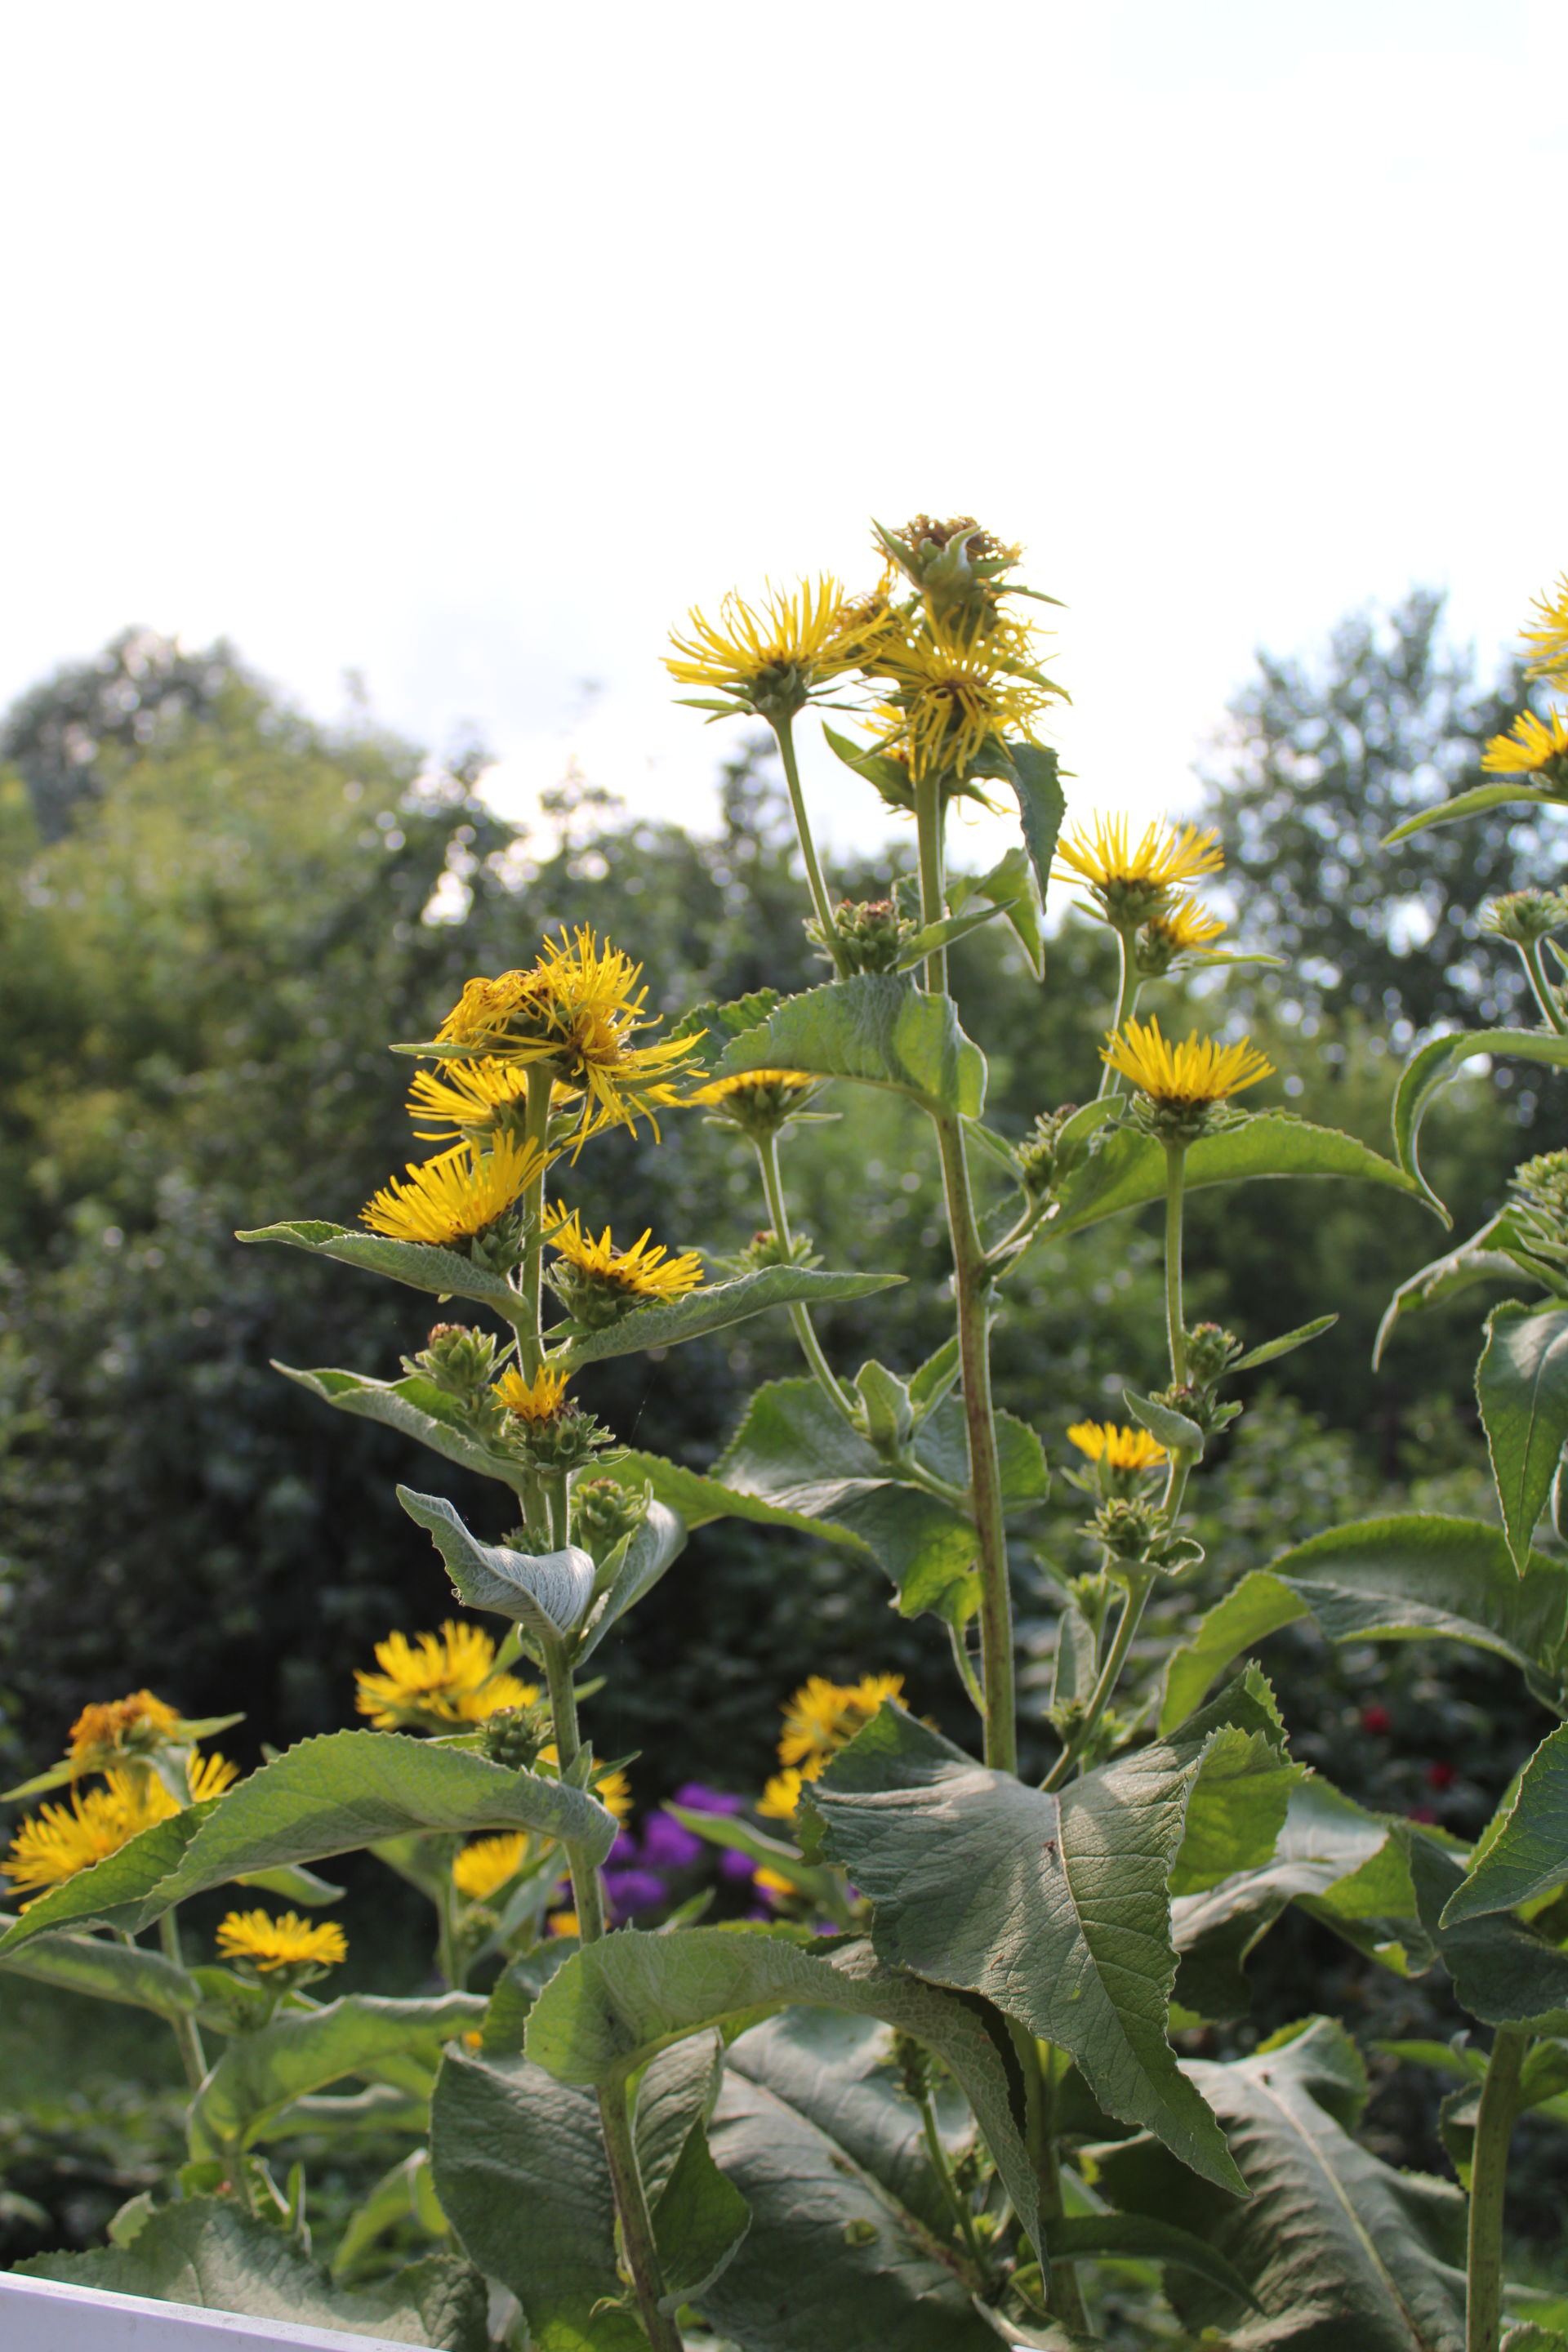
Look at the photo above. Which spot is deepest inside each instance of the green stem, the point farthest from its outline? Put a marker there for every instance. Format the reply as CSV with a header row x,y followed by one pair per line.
x,y
933,874
587,1896
1128,991
957,2206
447,1934
1495,2120
1175,1326
637,2222
1540,987
784,730
966,1664
536,1129
187,2032
821,1371
1064,2297
1139,1587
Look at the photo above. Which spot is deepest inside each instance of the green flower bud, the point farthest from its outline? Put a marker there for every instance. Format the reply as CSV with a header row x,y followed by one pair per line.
x,y
1524,918
459,1359
1042,1158
1210,1354
515,1735
871,932
603,1512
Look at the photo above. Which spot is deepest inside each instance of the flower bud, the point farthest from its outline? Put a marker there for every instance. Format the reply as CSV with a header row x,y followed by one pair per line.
x,y
1042,1158
1524,918
872,934
459,1359
604,1511
514,1736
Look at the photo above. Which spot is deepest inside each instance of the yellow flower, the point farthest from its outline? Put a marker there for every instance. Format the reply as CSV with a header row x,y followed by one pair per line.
x,y
456,1195
952,696
770,1882
1532,747
821,1718
58,1841
563,1923
462,1099
118,1727
285,1942
1118,1448
769,658
1162,859
1185,926
614,1792
539,1398
640,1271
1183,1077
483,1867
780,1799
1547,641
442,1678
747,1082
209,1776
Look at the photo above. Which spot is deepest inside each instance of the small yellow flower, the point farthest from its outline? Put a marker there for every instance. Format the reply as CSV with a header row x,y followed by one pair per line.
x,y
58,1841
563,1923
749,1081
439,1678
823,1717
1118,1448
119,1727
1547,640
1184,927
1532,747
771,1881
484,1866
951,696
1162,859
781,1798
209,1776
539,1398
640,1271
1184,1077
285,1942
456,1195
615,1793
462,1099
771,657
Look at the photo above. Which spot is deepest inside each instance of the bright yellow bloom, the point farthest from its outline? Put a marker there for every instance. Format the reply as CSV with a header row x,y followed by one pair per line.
x,y
447,1678
1118,1448
771,1881
285,1942
781,1798
821,1718
1530,746
952,696
1162,859
121,1725
209,1776
484,1866
615,1793
1547,641
1184,1076
539,1398
563,1923
456,1195
769,657
58,1841
748,1081
1185,926
640,1271
461,1099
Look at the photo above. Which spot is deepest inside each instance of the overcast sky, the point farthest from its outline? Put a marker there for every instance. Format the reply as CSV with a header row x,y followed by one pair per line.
x,y
465,347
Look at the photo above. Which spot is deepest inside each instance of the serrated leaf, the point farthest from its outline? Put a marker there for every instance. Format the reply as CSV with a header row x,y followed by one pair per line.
x,y
1034,772
421,1265
875,1028
262,2072
1054,1907
1474,802
547,1591
1528,1856
716,1308
889,777
118,1972
1431,1067
115,1892
717,1022
1522,1386
1257,1607
1502,1971
617,2002
1011,890
204,2252
416,1407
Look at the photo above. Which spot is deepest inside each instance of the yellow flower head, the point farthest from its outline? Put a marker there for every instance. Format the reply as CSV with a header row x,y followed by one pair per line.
x,y
1183,1078
285,1942
771,657
639,1272
438,1679
209,1776
563,1923
484,1866
781,1797
745,1081
953,694
1118,1448
539,1398
1546,640
760,1102
773,1884
58,1841
822,1716
1185,926
457,1195
1532,747
465,1100
121,1726
1132,882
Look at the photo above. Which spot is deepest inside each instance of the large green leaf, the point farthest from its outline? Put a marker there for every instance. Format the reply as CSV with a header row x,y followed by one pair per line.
x,y
1127,1170
1340,2250
416,1407
699,2217
547,1592
1035,774
204,2252
403,2194
1479,798
1424,1574
121,1972
1502,1971
1252,1609
699,1501
1431,1067
616,2002
716,1308
422,1265
877,1028
328,1795
651,1547
1054,1907
1521,1384
298,2053
1495,1254
1528,1856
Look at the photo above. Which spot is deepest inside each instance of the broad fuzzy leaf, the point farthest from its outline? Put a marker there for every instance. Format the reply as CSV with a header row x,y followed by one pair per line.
x,y
715,1309
1489,1256
1502,1971
1422,1575
876,1028
1528,1856
204,2252
1474,802
1431,1067
699,2217
1254,1609
699,1501
114,1893
548,1592
122,1972
416,1407
1521,1385
647,1552
420,1265
301,2052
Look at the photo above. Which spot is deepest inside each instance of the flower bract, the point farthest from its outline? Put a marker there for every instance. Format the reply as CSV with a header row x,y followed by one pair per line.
x,y
438,1678
284,1942
1162,859
640,1271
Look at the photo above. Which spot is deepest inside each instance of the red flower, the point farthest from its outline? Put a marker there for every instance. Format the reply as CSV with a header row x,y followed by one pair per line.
x,y
1439,1776
1376,1720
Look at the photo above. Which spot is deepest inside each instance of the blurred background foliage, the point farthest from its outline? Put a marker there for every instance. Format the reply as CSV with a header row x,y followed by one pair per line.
x,y
216,914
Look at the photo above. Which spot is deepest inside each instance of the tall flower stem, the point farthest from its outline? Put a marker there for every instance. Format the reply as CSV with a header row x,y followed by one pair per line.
x,y
784,730
1495,2120
1140,1584
822,1372
1175,1325
1540,987
933,874
1128,991
187,2032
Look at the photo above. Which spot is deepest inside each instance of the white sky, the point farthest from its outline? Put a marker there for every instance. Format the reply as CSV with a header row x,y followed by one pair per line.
x,y
467,346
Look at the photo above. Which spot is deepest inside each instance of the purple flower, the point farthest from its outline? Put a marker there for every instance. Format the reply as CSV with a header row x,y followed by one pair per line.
x,y
625,1849
630,1891
736,1865
700,1800
667,1845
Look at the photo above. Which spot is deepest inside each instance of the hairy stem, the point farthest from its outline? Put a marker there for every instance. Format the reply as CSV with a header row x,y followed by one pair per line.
x,y
637,2222
783,729
1175,1326
186,2031
1540,987
957,2206
1128,991
800,1317
933,874
1140,1584
586,1896
1489,2178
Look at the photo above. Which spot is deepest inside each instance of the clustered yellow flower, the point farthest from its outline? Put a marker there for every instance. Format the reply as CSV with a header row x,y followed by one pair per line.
x,y
457,1196
485,1864
58,1840
819,1718
1536,745
538,1399
438,1681
266,1944
771,657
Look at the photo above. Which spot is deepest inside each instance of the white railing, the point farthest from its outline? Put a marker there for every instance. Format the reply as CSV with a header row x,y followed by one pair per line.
x,y
36,2315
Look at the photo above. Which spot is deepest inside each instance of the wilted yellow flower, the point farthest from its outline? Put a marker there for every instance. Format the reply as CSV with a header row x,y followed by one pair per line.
x,y
823,1717
484,1866
58,1841
1532,747
1547,639
438,1678
284,1942
1184,1077
119,1727
771,657
1117,1448
640,1271
456,1195
539,1398
781,1797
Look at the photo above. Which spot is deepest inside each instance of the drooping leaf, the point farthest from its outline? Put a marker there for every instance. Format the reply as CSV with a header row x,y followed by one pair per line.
x,y
1489,1256
1521,1385
119,1972
1140,2237
422,1265
651,1547
415,1406
1012,891
618,2002
876,1028
1053,1905
1034,772
716,1308
699,1501
1432,1066
294,1884
1339,2249
1502,1971
1528,1856
1422,1575
206,2252
548,1592
301,2052
113,1893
